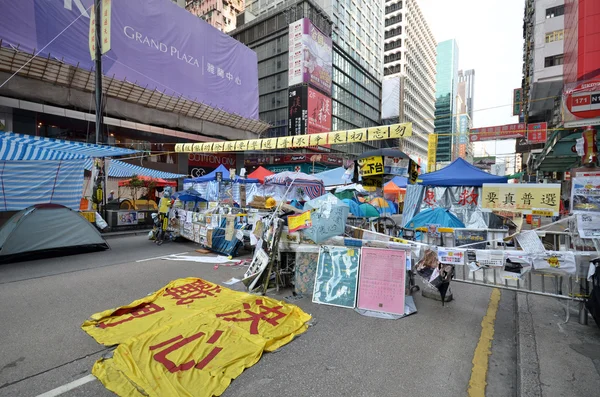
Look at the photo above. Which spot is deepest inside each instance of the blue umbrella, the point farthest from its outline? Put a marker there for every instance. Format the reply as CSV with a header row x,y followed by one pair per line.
x,y
188,195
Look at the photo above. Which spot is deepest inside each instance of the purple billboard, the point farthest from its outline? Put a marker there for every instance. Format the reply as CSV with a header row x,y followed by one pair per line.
x,y
155,44
310,56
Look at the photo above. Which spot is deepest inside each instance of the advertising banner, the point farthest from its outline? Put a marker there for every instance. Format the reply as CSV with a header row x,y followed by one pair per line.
x,y
537,133
381,285
298,113
521,197
153,43
319,112
310,56
390,97
431,152
581,103
508,131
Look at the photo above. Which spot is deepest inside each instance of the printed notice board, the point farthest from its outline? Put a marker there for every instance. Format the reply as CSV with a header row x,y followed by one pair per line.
x,y
382,280
337,276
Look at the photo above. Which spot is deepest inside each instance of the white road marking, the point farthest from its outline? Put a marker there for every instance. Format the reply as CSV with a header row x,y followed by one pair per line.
x,y
160,257
69,386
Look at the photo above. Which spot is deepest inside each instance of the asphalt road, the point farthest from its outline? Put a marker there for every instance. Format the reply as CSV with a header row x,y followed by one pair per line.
x,y
43,303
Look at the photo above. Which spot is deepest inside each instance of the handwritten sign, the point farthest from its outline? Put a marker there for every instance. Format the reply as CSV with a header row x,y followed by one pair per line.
x,y
336,278
382,280
299,222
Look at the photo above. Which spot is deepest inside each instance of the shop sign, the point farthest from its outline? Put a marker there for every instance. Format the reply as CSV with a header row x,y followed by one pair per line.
x,y
517,101
581,104
297,108
521,197
211,160
537,133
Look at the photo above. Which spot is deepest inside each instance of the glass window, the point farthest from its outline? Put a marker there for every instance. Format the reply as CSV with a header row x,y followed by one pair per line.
x,y
555,11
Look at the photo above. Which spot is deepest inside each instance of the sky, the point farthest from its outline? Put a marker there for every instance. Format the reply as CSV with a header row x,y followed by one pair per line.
x,y
489,34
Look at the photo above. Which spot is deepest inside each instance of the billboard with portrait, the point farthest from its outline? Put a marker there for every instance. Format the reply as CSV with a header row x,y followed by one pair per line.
x,y
310,56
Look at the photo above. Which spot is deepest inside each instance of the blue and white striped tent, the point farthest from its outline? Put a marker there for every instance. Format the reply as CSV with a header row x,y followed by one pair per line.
x,y
36,170
120,169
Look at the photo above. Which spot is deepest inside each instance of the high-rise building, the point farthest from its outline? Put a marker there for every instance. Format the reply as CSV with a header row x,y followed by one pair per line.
x,y
582,40
180,3
446,88
221,14
467,77
356,33
462,147
409,69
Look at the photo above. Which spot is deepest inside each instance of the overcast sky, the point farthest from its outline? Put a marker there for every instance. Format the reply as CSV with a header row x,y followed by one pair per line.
x,y
490,40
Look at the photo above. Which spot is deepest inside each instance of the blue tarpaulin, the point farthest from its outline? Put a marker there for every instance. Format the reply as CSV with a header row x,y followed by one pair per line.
x,y
400,181
459,173
333,177
438,216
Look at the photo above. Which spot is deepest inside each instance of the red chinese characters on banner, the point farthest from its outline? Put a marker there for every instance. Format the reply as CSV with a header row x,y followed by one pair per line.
x,y
270,315
537,133
468,197
198,289
179,342
319,112
507,131
430,197
139,312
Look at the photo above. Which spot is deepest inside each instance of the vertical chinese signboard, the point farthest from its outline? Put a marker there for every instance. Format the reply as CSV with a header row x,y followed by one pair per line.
x,y
310,56
537,133
537,199
431,150
517,101
319,112
298,113
105,25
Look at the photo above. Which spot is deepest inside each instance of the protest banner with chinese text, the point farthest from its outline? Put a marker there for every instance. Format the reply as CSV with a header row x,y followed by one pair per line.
x,y
299,222
523,197
370,166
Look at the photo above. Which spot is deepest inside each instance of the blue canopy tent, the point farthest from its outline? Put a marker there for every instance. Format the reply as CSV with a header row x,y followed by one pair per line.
x,y
121,169
459,173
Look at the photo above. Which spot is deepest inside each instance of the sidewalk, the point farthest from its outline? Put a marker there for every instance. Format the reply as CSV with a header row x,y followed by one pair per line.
x,y
555,358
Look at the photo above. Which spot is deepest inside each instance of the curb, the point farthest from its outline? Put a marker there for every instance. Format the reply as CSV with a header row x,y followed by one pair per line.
x,y
528,368
126,233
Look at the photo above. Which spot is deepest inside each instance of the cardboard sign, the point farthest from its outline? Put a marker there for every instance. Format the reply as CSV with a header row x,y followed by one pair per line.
x,y
523,197
299,222
371,166
336,279
382,280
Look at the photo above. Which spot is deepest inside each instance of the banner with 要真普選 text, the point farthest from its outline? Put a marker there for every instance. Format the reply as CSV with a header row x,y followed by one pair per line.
x,y
194,334
530,198
393,131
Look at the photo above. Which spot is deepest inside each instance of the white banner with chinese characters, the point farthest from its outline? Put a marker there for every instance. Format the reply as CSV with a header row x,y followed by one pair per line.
x,y
463,201
530,198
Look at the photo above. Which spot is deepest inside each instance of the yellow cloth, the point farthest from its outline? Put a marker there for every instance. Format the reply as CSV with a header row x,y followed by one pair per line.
x,y
164,205
183,309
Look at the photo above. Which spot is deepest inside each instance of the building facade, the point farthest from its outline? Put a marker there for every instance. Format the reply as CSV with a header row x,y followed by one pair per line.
x,y
462,146
582,40
467,78
180,3
446,89
409,70
222,14
356,86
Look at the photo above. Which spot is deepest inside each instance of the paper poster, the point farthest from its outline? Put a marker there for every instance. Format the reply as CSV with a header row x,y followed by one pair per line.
x,y
299,222
127,218
588,225
382,280
555,262
524,197
396,166
451,256
336,279
530,242
229,228
370,166
516,265
585,194
432,231
489,258
473,239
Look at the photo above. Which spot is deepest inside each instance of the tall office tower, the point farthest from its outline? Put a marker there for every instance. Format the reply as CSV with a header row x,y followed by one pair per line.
x,y
446,89
356,31
409,69
221,14
180,3
462,147
468,78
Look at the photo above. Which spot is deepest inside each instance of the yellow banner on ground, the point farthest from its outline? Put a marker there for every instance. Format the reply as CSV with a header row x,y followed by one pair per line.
x,y
402,130
432,142
193,334
525,197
